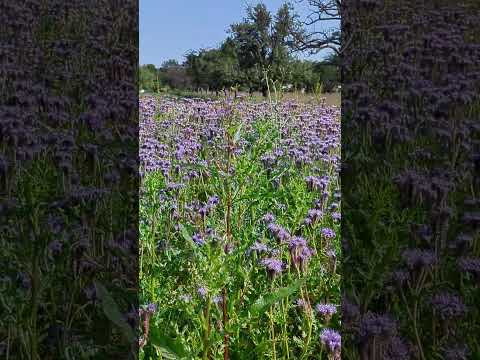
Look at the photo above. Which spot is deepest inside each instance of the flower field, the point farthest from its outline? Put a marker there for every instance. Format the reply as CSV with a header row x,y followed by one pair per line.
x,y
240,229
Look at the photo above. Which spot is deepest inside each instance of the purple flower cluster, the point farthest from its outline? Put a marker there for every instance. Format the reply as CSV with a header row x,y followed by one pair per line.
x,y
274,266
417,258
315,183
328,233
279,232
257,248
211,203
202,292
300,253
470,265
268,218
448,306
326,310
331,339
313,216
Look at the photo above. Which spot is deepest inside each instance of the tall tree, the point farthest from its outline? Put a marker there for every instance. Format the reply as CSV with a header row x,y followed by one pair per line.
x,y
261,43
215,69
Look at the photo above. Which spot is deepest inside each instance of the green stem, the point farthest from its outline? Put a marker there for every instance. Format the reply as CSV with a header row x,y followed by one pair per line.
x,y
272,330
285,333
206,333
309,336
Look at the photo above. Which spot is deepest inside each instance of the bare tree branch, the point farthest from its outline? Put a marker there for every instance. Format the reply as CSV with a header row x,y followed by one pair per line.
x,y
321,11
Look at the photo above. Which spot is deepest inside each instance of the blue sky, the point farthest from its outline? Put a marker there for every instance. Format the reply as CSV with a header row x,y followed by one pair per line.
x,y
170,28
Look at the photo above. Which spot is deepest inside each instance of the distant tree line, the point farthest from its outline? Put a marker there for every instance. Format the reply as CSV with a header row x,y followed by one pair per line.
x,y
257,55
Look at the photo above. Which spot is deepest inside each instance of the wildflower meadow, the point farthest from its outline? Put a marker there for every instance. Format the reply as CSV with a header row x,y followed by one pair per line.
x,y
239,229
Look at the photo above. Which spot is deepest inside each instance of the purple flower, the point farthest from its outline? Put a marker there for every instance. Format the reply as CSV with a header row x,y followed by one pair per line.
x,y
198,239
258,247
398,349
213,200
269,161
268,218
300,253
203,211
274,266
331,339
326,310
217,300
151,308
416,258
302,304
281,234
377,325
315,183
469,265
447,305
297,242
202,292
55,247
328,233
313,216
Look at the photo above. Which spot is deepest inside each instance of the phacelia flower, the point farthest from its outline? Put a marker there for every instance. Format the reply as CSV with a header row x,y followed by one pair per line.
x,y
274,266
326,310
416,258
198,239
258,248
202,292
300,253
328,233
447,305
331,339
151,308
268,218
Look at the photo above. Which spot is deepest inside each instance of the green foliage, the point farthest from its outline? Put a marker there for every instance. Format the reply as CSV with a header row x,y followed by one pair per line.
x,y
112,312
262,303
214,69
148,77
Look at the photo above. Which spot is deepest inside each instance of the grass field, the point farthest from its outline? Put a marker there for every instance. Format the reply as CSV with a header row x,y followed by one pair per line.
x,y
328,99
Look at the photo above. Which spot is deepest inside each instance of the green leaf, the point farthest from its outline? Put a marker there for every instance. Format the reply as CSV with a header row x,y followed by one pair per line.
x,y
169,347
185,234
262,303
110,308
238,133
